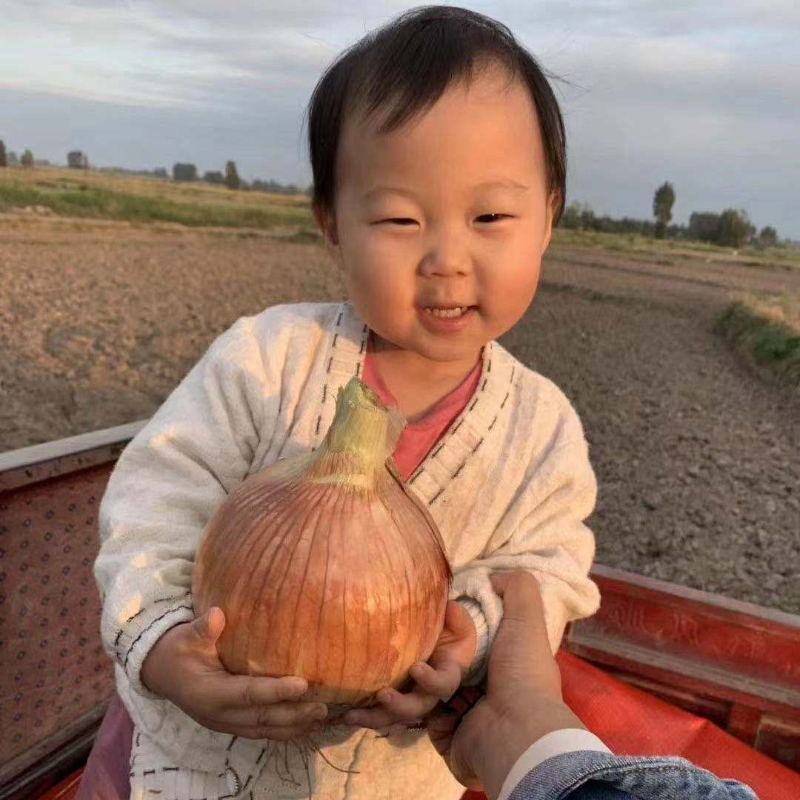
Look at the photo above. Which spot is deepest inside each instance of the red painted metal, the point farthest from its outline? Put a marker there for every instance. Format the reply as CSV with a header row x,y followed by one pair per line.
x,y
695,626
734,663
53,670
744,722
780,739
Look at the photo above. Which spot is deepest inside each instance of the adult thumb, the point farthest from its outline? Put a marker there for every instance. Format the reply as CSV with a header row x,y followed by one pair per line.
x,y
521,650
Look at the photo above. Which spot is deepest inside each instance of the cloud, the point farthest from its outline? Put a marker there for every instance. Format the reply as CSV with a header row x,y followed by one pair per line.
x,y
152,54
706,93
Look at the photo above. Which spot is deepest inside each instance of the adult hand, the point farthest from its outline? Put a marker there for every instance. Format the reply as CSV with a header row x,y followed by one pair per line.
x,y
522,700
184,667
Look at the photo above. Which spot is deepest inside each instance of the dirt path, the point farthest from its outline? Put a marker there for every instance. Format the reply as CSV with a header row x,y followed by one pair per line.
x,y
698,459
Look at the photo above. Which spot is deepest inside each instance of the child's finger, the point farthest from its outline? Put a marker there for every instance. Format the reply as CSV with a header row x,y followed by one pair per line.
x,y
248,692
279,714
394,707
441,680
369,717
407,707
208,627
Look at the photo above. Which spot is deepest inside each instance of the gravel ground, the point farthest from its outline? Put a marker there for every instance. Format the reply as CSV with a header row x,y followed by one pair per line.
x,y
697,456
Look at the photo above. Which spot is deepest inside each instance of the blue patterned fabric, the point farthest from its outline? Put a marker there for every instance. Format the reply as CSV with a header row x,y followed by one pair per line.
x,y
588,775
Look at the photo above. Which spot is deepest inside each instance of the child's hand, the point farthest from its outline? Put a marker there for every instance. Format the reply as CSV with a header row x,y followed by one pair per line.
x,y
184,667
436,680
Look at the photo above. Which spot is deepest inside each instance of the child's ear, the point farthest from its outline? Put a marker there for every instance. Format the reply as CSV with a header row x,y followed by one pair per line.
x,y
553,203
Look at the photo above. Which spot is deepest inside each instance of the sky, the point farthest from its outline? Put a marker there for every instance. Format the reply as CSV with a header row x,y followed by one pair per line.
x,y
703,94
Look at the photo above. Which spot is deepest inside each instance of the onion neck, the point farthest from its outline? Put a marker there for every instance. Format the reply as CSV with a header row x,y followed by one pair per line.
x,y
362,437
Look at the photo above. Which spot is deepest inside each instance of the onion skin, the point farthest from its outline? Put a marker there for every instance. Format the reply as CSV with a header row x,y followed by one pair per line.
x,y
326,565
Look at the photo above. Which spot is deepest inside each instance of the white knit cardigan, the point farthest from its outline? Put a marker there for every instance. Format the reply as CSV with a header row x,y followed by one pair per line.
x,y
509,486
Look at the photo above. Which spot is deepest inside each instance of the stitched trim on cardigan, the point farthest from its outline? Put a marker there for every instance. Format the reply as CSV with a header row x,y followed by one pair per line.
x,y
347,348
471,406
236,779
147,627
477,426
141,611
447,436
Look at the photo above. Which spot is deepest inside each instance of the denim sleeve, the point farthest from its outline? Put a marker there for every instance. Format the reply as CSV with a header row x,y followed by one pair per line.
x,y
588,775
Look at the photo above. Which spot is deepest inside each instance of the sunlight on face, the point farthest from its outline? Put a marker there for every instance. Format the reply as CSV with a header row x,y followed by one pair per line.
x,y
450,209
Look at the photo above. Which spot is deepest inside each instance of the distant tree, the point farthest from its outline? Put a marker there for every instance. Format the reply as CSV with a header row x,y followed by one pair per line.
x,y
571,218
27,159
579,216
13,159
160,172
3,158
704,226
768,237
214,176
273,186
735,228
184,172
77,159
587,219
677,231
663,200
232,176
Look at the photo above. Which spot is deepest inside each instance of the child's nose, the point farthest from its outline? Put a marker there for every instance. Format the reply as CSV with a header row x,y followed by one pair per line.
x,y
447,255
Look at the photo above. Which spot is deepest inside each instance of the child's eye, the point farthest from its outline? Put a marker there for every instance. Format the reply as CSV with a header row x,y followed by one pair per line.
x,y
498,216
405,220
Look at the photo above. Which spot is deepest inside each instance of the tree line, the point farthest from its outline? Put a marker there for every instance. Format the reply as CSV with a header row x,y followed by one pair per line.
x,y
181,171
11,159
728,228
187,172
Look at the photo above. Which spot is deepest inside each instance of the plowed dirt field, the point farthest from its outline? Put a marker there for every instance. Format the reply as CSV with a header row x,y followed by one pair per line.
x,y
697,457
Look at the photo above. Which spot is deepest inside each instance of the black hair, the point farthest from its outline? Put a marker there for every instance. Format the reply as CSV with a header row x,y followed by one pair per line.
x,y
406,66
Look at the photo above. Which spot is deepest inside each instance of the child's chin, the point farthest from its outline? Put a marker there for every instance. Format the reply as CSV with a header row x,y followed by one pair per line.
x,y
452,350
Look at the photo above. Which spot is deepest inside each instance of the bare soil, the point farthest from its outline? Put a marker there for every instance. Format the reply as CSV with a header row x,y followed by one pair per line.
x,y
697,456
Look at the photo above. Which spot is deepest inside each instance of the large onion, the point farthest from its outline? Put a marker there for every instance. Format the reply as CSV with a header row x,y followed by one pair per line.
x,y
326,565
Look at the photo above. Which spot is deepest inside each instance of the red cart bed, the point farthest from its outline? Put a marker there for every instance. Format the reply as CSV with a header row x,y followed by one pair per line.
x,y
734,664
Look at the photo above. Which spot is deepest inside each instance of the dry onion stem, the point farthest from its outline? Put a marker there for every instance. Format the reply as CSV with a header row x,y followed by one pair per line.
x,y
326,565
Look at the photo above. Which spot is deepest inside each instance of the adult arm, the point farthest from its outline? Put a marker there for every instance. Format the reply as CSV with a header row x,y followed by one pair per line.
x,y
516,739
591,775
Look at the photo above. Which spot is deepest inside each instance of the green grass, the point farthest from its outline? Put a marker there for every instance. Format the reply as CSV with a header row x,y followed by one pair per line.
x,y
669,251
630,242
106,195
766,330
102,197
107,204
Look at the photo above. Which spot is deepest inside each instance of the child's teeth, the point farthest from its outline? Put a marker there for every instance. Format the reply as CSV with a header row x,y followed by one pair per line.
x,y
447,312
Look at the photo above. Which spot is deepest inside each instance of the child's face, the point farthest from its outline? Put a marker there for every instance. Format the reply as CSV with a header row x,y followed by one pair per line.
x,y
440,243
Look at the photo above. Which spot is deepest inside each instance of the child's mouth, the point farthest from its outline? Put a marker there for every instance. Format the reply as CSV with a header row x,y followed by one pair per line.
x,y
448,313
446,319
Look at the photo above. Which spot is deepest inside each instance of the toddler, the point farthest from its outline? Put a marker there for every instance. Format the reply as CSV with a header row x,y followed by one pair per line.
x,y
438,156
